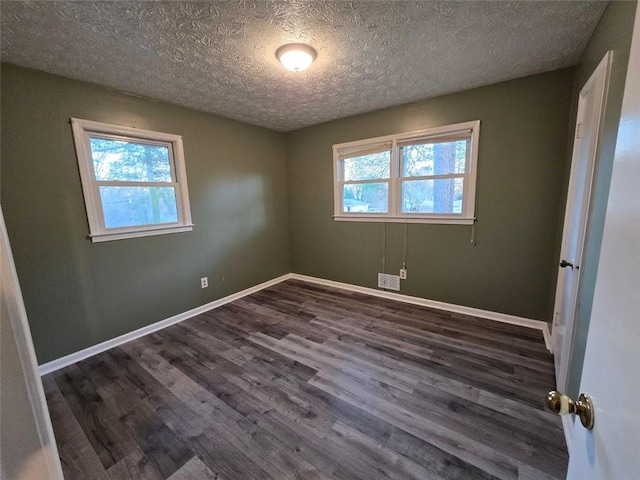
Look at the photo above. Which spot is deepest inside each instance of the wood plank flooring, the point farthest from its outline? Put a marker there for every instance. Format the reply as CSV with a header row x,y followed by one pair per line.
x,y
301,381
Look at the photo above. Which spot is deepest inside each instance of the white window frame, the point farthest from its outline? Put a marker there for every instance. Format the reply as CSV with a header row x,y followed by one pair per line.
x,y
82,132
394,142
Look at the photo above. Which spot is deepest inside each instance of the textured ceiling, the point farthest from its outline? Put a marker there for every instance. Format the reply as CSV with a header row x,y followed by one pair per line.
x,y
219,56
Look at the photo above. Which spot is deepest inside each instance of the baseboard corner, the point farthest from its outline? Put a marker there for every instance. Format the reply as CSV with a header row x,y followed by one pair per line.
x,y
476,312
85,353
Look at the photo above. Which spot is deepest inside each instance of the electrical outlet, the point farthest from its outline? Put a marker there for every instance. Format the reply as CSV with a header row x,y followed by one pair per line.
x,y
204,282
403,273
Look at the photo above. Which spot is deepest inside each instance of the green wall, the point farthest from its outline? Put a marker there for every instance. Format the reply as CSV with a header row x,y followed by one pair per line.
x,y
614,32
258,197
522,158
78,293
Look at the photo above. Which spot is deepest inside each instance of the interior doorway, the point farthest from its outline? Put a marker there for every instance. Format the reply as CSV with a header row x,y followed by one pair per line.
x,y
591,105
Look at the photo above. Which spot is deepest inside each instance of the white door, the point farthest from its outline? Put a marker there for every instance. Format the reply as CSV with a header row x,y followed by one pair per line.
x,y
588,124
611,373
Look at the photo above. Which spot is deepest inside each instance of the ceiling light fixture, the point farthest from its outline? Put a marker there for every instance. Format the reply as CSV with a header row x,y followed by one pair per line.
x,y
296,56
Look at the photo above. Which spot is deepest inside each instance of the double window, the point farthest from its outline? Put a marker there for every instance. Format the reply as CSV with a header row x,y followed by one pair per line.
x,y
428,176
134,181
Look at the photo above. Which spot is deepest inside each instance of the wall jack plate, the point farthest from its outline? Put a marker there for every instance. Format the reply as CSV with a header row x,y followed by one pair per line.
x,y
389,282
204,282
403,274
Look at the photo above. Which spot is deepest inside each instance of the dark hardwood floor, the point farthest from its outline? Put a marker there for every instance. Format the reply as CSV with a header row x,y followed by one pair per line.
x,y
304,381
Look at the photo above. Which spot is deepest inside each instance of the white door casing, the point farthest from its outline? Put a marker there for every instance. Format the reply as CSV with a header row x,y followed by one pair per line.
x,y
612,357
586,139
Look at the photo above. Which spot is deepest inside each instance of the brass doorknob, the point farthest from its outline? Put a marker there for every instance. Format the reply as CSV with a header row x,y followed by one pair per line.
x,y
563,405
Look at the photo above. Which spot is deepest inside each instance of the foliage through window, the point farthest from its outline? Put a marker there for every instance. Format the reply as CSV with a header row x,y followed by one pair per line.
x,y
134,181
424,176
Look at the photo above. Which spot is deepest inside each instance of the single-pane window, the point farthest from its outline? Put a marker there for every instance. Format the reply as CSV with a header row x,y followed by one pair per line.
x,y
368,167
134,181
424,159
130,206
366,197
441,195
364,175
130,160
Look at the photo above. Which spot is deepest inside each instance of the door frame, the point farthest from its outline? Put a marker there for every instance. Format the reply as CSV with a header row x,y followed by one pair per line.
x,y
599,80
611,356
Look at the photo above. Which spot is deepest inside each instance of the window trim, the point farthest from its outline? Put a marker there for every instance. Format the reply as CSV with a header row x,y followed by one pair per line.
x,y
394,214
82,132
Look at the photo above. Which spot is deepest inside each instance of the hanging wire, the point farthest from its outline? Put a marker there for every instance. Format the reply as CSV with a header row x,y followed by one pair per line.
x,y
384,247
474,225
404,257
473,233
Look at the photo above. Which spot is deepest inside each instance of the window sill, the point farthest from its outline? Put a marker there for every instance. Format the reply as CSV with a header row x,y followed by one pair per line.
x,y
121,235
405,219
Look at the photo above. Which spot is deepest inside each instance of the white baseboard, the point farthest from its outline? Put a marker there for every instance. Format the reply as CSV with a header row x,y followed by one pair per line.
x,y
475,312
546,333
72,358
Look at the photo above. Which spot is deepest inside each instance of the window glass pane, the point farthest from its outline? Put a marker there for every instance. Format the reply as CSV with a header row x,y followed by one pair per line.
x,y
368,167
365,197
442,195
433,158
130,161
130,206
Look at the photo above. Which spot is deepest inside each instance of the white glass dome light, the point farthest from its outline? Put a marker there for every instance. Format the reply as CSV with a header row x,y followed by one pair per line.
x,y
296,56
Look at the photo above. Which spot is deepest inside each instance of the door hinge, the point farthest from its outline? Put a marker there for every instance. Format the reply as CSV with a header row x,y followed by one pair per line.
x,y
579,130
